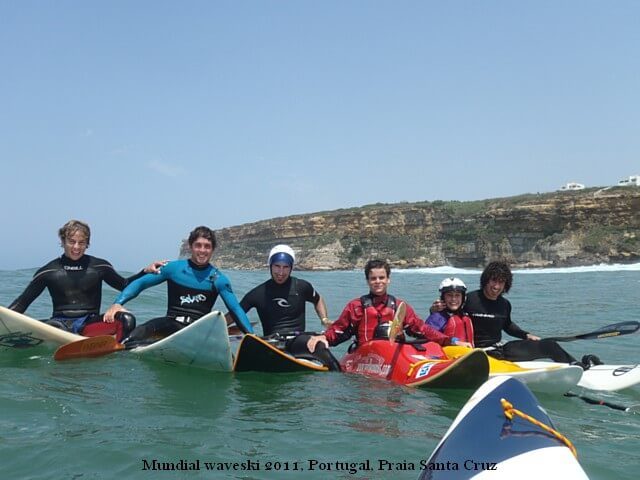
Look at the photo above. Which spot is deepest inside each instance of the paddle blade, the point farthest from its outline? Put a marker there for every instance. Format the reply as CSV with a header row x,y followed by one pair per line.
x,y
88,347
397,324
622,328
613,330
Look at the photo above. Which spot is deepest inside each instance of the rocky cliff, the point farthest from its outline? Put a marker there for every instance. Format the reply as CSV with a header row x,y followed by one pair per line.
x,y
537,230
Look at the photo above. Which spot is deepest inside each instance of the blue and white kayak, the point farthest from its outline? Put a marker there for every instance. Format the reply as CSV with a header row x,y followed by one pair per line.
x,y
483,443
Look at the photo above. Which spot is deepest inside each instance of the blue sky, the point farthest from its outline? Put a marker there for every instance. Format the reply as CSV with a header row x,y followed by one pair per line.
x,y
148,118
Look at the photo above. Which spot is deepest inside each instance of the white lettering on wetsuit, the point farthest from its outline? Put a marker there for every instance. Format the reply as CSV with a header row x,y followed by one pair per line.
x,y
188,299
283,302
73,267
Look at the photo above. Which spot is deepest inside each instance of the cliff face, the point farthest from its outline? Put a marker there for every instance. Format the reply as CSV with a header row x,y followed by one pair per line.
x,y
554,229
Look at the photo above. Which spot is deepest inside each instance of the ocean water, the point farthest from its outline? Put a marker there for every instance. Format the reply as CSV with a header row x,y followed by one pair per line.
x,y
110,417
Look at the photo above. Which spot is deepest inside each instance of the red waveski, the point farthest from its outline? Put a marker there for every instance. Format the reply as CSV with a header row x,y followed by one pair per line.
x,y
417,365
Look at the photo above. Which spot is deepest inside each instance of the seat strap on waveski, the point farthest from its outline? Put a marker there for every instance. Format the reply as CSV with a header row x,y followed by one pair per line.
x,y
510,411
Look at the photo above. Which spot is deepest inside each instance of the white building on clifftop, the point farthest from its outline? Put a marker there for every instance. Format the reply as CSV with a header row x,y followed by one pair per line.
x,y
572,186
632,181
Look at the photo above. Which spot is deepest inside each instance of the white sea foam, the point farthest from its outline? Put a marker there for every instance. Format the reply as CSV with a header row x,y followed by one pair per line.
x,y
439,270
632,267
616,267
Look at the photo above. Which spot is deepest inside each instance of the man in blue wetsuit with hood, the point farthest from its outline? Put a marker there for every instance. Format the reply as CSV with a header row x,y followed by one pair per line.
x,y
193,285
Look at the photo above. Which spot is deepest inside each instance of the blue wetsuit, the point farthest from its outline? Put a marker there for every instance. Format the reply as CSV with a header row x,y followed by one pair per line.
x,y
192,291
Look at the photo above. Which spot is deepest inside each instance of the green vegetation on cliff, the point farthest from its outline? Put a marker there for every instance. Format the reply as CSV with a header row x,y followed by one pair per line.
x,y
531,230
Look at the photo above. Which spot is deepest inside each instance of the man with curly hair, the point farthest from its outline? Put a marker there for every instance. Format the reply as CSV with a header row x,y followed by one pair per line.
x,y
490,314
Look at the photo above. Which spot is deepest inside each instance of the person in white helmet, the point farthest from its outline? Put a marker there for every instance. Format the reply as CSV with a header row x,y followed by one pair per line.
x,y
281,306
490,314
452,320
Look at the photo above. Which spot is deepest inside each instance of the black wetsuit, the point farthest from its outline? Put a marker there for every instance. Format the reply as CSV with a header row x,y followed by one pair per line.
x,y
281,308
491,317
75,287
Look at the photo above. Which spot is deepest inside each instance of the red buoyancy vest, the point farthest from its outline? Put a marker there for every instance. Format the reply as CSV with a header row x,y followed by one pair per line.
x,y
374,316
459,326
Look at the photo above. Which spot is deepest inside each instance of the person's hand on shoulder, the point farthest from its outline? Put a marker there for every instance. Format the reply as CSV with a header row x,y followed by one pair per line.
x,y
437,306
532,337
155,267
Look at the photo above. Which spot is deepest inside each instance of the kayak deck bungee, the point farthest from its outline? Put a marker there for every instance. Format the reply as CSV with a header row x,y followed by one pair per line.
x,y
18,331
502,432
540,377
255,354
416,365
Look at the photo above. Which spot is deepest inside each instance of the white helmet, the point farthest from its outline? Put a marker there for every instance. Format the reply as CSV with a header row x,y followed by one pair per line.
x,y
453,284
282,253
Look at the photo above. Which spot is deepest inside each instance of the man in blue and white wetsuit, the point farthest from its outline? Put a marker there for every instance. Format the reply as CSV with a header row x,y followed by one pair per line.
x,y
193,285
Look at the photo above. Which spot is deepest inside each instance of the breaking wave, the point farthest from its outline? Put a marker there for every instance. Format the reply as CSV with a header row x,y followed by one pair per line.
x,y
632,267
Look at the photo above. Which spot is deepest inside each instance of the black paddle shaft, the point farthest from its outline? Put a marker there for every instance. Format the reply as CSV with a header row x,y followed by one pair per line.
x,y
595,401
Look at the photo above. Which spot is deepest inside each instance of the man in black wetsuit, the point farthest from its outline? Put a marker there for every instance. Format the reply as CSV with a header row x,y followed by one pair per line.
x,y
280,303
490,314
74,281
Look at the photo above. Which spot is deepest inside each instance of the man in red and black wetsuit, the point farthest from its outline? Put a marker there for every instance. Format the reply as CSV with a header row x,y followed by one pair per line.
x,y
369,317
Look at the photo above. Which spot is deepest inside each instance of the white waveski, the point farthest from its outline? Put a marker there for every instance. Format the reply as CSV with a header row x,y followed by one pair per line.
x,y
609,378
203,344
540,377
18,331
548,378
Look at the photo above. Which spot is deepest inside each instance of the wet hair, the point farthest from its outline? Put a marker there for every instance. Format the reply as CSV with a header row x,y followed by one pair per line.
x,y
371,264
204,232
497,270
70,228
